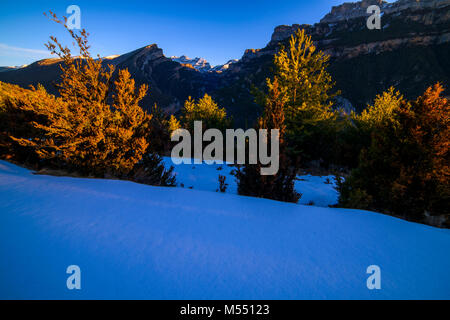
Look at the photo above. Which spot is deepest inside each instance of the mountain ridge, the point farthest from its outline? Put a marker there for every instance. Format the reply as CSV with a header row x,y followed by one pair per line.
x,y
410,52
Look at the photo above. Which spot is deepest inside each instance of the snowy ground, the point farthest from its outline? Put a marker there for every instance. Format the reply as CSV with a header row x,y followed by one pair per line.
x,y
136,241
318,191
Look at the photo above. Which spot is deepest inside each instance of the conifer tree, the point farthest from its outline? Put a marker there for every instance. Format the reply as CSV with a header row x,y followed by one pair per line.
x,y
81,130
382,110
205,110
355,133
281,185
160,131
301,70
174,124
405,170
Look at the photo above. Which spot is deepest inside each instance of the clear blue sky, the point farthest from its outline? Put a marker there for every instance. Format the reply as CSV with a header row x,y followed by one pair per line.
x,y
215,30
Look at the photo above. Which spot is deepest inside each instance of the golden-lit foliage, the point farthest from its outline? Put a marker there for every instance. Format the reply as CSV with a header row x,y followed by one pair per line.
x,y
405,170
301,70
381,112
96,124
174,124
205,110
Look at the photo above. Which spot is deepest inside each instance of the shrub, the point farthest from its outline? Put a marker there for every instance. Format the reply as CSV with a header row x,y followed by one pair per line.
x,y
205,110
151,170
222,184
96,126
353,132
405,170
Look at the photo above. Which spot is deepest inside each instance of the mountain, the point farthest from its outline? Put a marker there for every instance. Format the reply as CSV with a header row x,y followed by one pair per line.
x,y
11,68
199,64
410,52
170,82
202,65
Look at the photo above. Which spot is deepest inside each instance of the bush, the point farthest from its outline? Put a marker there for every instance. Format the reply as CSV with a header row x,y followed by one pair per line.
x,y
405,170
150,170
95,127
353,132
207,111
222,184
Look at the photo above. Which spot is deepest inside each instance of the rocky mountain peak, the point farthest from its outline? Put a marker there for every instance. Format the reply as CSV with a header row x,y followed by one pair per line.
x,y
350,10
197,63
201,64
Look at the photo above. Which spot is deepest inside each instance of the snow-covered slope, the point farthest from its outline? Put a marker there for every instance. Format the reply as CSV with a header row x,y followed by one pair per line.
x,y
318,191
137,241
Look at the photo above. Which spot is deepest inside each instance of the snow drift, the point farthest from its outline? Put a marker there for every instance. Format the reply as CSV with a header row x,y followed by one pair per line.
x,y
134,241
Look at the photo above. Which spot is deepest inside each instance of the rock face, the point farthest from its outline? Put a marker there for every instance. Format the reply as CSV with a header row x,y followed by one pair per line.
x,y
350,10
410,52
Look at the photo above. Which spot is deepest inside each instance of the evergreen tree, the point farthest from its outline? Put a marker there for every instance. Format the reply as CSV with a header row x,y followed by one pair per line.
x,y
159,131
355,130
21,111
174,124
207,111
301,70
405,170
80,130
281,185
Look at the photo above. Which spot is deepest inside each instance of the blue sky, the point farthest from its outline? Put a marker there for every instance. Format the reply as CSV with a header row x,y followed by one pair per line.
x,y
215,30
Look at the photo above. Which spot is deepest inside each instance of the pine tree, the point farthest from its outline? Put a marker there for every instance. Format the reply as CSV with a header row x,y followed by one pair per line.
x,y
382,110
174,124
301,70
281,185
80,130
205,110
160,131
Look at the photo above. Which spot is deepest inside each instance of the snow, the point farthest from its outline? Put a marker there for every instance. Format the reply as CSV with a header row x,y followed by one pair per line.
x,y
134,241
317,190
202,64
198,63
